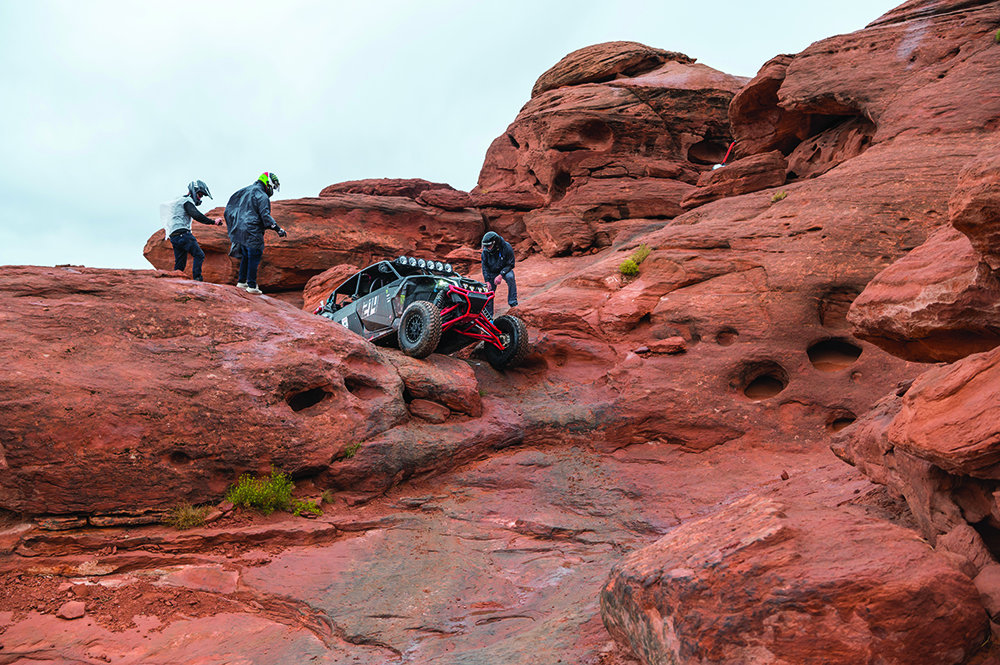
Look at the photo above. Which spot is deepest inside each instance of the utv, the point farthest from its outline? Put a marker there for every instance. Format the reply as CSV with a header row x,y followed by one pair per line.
x,y
423,307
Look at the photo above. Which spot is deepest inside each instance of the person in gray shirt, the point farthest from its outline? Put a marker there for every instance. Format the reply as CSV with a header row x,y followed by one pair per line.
x,y
176,216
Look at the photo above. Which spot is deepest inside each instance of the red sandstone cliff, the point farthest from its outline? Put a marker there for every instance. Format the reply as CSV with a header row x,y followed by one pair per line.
x,y
672,429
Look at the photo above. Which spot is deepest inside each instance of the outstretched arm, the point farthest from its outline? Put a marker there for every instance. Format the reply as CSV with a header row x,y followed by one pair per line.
x,y
196,215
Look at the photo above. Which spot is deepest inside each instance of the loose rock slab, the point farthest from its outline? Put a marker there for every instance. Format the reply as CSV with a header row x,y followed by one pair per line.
x,y
766,581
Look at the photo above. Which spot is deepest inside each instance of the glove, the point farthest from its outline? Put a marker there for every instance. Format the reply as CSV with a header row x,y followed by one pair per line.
x,y
282,233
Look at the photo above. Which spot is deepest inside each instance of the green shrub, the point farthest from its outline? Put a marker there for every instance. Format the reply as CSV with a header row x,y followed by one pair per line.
x,y
628,267
265,494
186,516
996,37
300,506
351,449
640,254
778,196
327,497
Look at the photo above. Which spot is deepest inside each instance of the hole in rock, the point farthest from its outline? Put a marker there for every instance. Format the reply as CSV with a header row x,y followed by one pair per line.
x,y
833,355
833,307
362,388
762,380
840,420
726,337
179,457
588,135
303,400
763,387
990,535
707,152
560,184
513,141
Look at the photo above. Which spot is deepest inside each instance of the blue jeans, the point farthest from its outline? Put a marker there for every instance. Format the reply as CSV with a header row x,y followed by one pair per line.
x,y
511,289
249,264
184,244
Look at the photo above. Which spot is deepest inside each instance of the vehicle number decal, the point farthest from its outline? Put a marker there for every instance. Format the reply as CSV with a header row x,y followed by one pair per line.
x,y
343,322
368,307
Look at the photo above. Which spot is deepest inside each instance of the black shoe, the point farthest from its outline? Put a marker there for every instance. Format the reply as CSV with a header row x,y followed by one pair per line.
x,y
198,279
512,304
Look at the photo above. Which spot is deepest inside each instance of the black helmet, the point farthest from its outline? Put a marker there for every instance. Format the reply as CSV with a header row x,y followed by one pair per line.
x,y
198,189
490,241
271,184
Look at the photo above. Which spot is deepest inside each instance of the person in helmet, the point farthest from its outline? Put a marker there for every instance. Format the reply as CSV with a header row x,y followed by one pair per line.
x,y
498,264
248,215
176,216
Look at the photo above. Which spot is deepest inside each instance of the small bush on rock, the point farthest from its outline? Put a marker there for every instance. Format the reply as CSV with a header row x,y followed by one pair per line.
x,y
186,516
265,494
628,267
778,196
640,254
300,506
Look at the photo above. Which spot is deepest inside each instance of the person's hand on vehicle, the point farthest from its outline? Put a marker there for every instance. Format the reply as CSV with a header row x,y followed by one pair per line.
x,y
496,281
282,233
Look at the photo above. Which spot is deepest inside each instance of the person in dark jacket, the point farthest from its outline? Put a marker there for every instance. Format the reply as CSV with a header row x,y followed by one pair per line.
x,y
248,215
498,264
176,216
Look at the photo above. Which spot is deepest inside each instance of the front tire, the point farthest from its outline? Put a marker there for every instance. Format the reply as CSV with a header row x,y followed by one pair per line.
x,y
514,336
419,329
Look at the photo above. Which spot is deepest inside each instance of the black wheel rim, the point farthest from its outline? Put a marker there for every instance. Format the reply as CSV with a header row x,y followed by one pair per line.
x,y
414,326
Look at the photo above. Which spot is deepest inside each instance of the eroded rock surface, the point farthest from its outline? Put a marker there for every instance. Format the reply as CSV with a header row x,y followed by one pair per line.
x,y
476,514
761,582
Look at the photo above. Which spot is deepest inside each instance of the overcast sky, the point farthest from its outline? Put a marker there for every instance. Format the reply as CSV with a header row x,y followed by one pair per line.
x,y
109,107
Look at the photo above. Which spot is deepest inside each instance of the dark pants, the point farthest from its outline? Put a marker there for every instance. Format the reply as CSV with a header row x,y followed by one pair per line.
x,y
511,289
249,264
184,244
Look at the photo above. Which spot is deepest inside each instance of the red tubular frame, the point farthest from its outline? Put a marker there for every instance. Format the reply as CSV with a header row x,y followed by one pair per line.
x,y
490,333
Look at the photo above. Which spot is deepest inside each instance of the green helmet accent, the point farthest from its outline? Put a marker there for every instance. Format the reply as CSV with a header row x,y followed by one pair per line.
x,y
270,181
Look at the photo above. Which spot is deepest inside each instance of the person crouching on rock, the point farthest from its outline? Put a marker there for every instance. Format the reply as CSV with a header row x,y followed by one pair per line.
x,y
176,216
498,263
248,215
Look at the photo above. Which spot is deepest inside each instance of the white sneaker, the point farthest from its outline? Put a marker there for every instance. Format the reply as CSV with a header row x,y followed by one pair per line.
x,y
254,291
241,285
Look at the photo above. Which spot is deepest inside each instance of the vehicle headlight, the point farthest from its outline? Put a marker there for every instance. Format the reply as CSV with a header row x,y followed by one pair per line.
x,y
413,262
421,263
439,265
401,260
442,284
447,267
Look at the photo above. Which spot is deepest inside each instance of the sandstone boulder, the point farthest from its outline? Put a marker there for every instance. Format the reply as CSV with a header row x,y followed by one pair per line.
x,y
751,174
604,62
760,582
975,206
938,303
209,383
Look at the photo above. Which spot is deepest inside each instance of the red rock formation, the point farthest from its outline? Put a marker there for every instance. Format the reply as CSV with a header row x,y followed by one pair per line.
x,y
761,579
607,119
939,303
752,174
720,370
975,206
335,229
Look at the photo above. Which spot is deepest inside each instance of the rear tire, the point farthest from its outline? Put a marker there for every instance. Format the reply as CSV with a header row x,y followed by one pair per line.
x,y
419,329
514,335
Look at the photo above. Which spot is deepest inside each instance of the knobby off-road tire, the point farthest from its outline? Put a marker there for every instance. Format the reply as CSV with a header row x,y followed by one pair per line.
x,y
419,329
514,335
